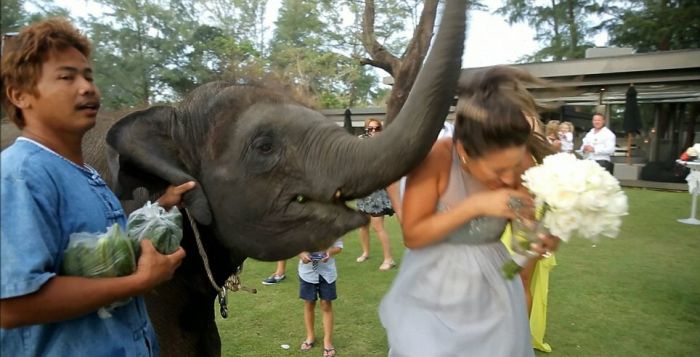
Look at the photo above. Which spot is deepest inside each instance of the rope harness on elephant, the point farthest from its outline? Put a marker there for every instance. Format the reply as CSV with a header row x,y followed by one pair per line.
x,y
232,283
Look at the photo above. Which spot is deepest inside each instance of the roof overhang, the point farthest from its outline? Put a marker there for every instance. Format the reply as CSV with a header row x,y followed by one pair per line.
x,y
670,76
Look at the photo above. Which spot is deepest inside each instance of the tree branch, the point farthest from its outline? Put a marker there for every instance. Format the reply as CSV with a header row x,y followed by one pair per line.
x,y
380,56
368,61
418,46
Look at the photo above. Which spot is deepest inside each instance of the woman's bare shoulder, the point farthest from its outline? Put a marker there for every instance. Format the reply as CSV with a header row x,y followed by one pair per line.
x,y
439,158
442,150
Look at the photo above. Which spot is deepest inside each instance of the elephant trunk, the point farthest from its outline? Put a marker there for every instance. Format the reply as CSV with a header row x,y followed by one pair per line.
x,y
374,163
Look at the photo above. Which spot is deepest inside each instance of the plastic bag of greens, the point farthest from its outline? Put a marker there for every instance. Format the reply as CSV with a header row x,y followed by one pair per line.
x,y
153,222
109,254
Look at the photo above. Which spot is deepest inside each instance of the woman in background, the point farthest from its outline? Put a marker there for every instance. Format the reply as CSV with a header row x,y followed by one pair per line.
x,y
376,205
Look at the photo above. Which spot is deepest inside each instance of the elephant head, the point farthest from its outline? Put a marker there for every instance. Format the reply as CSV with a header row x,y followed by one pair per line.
x,y
274,175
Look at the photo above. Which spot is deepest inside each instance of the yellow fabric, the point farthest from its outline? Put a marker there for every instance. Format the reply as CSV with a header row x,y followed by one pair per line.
x,y
539,288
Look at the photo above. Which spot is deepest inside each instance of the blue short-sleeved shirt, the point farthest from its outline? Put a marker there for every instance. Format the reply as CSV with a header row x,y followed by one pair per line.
x,y
309,272
45,198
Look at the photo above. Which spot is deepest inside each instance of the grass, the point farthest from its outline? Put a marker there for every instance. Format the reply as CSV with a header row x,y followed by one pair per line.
x,y
638,295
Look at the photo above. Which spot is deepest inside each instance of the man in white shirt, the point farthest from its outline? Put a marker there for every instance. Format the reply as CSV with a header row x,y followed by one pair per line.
x,y
599,143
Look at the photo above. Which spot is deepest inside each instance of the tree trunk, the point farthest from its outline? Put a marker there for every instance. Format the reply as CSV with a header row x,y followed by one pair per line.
x,y
405,69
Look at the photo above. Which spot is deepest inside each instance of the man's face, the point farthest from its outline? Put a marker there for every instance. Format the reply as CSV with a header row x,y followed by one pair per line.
x,y
598,121
66,99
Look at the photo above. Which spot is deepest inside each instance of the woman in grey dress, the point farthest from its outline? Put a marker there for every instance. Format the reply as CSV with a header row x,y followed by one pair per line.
x,y
449,297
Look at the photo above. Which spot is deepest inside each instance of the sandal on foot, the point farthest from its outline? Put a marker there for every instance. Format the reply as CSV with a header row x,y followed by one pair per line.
x,y
306,346
387,265
362,258
329,352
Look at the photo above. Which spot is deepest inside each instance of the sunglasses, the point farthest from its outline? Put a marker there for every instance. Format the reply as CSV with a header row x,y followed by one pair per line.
x,y
372,129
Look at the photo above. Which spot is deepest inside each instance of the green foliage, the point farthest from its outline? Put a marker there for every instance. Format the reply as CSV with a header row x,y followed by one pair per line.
x,y
562,26
653,25
13,16
306,51
607,300
137,43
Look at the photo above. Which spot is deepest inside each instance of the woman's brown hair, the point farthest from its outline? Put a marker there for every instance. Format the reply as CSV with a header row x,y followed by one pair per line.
x,y
24,55
369,120
493,108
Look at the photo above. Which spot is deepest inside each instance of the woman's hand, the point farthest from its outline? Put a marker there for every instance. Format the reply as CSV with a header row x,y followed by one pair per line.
x,y
173,195
505,203
548,243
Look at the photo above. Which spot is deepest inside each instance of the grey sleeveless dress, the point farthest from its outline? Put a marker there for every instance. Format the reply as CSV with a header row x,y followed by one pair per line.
x,y
449,299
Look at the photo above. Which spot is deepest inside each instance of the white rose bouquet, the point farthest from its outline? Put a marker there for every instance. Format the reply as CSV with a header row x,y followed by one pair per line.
x,y
574,198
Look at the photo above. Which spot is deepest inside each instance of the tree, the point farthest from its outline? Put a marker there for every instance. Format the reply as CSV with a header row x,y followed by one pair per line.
x,y
659,25
309,50
562,26
403,69
243,20
241,45
139,45
13,16
655,25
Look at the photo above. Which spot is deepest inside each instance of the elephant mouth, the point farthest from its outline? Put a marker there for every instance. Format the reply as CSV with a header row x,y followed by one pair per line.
x,y
333,211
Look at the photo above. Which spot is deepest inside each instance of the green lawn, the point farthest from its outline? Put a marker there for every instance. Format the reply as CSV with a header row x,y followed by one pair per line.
x,y
637,295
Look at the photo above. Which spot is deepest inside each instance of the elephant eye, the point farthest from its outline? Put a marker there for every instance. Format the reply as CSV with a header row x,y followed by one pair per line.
x,y
263,145
263,154
265,148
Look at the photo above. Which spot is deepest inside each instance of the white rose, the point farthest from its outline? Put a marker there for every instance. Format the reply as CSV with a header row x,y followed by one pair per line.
x,y
594,200
561,224
590,225
611,227
562,199
617,204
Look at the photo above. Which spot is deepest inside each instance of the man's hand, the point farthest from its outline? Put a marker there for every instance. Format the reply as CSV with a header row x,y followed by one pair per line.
x,y
173,195
154,268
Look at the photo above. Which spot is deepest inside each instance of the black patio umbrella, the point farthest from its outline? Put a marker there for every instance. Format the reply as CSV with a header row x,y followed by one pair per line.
x,y
632,122
347,121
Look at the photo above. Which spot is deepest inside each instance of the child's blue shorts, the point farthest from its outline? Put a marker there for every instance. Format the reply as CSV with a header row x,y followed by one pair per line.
x,y
323,290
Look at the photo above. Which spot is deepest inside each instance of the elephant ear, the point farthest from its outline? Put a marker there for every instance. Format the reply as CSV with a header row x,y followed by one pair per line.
x,y
147,155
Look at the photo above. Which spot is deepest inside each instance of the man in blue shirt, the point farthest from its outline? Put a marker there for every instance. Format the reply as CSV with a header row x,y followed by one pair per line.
x,y
48,193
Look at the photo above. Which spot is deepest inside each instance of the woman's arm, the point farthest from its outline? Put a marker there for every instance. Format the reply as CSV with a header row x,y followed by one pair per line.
x,y
394,193
422,224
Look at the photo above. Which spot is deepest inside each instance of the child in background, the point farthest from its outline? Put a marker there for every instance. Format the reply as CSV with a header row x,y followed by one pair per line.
x,y
317,276
566,136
